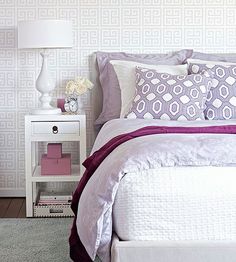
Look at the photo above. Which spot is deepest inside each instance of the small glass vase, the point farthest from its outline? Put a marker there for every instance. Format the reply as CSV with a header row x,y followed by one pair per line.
x,y
80,104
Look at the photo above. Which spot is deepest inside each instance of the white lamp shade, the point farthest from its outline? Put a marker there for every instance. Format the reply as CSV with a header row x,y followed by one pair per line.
x,y
45,34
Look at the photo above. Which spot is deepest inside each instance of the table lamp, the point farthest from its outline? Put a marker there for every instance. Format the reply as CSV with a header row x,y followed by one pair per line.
x,y
45,34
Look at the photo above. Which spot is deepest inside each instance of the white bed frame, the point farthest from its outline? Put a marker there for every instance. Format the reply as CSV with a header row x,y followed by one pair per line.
x,y
170,251
161,251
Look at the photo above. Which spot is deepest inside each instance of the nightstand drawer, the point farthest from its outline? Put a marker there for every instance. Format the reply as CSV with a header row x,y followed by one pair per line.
x,y
60,128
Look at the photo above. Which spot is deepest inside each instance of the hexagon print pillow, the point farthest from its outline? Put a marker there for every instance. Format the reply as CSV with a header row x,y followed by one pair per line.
x,y
169,97
221,100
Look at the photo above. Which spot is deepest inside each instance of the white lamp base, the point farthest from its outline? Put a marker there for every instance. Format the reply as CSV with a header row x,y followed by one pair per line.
x,y
41,111
45,84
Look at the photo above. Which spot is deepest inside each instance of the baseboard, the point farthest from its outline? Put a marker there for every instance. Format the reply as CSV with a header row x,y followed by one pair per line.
x,y
12,192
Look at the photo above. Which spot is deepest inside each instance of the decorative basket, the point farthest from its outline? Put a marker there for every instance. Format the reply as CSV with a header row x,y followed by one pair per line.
x,y
63,210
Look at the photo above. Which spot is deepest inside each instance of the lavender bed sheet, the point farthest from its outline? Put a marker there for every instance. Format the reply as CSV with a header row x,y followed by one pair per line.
x,y
94,218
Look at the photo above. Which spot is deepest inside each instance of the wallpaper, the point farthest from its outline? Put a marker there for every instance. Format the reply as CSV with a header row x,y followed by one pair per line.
x,y
111,25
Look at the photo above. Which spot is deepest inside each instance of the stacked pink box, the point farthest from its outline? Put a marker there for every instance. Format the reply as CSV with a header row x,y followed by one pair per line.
x,y
54,162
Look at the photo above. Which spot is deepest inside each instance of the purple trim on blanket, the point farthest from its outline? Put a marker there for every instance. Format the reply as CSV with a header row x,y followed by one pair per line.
x,y
77,250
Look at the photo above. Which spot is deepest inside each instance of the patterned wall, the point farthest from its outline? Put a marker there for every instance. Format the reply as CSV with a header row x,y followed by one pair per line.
x,y
127,25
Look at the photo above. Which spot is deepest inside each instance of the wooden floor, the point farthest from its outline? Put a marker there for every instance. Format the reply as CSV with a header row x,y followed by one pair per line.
x,y
12,207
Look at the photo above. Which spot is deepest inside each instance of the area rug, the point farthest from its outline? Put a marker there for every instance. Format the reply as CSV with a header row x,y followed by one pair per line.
x,y
35,240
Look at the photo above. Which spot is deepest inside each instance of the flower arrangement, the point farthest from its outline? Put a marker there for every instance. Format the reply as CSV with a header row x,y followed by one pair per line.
x,y
78,86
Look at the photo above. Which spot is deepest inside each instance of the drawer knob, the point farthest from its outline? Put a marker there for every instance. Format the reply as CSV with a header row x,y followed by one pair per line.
x,y
55,129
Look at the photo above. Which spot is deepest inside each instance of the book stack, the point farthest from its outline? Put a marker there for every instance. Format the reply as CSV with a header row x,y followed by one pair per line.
x,y
54,198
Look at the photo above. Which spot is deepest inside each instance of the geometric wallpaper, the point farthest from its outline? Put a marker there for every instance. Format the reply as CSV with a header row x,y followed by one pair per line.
x,y
136,26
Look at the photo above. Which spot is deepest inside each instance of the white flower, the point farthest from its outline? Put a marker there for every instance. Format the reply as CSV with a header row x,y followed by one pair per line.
x,y
79,86
84,81
70,87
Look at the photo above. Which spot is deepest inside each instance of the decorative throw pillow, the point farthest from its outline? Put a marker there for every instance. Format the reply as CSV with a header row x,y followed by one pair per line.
x,y
125,71
110,86
164,96
221,100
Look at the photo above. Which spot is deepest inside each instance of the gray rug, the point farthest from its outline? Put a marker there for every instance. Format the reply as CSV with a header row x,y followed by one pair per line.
x,y
35,240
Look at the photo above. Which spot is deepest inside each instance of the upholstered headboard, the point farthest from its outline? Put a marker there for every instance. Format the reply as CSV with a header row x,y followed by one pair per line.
x,y
97,92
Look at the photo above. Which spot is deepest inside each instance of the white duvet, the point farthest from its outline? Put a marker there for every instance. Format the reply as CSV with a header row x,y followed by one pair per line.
x,y
94,218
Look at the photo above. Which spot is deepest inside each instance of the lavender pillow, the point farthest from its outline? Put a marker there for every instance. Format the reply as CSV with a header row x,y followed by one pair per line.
x,y
214,57
111,92
221,100
169,97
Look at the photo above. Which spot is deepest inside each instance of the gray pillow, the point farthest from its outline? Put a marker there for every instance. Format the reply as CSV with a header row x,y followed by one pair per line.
x,y
109,82
221,100
169,97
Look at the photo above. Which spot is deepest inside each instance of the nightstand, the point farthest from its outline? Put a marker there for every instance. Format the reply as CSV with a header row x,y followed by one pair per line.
x,y
51,128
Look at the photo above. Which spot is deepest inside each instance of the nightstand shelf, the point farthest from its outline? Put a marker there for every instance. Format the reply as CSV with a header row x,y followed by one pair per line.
x,y
74,177
51,128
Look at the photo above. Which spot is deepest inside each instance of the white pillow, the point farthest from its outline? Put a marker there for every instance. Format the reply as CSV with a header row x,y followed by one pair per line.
x,y
125,71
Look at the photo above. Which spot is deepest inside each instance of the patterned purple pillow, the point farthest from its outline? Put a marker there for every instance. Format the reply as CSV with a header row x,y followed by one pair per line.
x,y
169,97
221,100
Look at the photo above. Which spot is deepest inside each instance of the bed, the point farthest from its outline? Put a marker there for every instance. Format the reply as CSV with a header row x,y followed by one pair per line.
x,y
162,206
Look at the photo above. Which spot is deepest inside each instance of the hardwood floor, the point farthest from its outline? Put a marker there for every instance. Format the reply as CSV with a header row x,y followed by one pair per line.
x,y
12,207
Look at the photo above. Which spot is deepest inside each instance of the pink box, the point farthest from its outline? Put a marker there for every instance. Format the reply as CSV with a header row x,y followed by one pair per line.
x,y
56,166
54,150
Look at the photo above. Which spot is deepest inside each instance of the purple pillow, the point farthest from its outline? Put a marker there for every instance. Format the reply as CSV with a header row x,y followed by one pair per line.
x,y
214,57
169,97
221,100
109,82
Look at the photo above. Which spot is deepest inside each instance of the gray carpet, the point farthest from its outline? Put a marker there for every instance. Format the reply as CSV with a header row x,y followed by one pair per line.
x,y
34,240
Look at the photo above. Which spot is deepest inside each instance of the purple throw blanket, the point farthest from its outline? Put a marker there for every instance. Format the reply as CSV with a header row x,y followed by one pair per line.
x,y
77,250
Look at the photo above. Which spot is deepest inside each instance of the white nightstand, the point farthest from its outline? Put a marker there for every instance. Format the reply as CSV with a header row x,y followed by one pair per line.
x,y
50,128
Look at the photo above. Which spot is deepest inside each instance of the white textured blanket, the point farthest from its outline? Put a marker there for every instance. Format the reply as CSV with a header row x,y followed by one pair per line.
x,y
177,204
